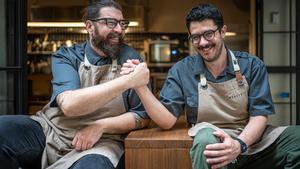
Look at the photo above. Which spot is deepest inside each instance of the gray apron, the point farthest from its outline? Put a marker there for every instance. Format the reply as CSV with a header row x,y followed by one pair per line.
x,y
224,106
60,130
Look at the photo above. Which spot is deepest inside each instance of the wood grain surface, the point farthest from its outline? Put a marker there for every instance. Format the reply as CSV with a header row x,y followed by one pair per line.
x,y
154,148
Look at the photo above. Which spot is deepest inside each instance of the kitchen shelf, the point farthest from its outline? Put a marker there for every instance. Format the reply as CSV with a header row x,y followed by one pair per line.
x,y
42,30
40,53
47,77
160,64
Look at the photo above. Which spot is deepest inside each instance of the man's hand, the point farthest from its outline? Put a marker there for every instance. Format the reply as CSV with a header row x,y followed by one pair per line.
x,y
129,66
87,137
221,154
138,72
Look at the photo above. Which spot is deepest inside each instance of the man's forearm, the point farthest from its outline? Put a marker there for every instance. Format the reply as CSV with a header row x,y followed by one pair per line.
x,y
157,111
122,124
254,129
87,100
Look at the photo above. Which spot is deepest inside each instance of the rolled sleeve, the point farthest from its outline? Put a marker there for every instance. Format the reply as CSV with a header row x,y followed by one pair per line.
x,y
134,104
171,95
260,99
65,74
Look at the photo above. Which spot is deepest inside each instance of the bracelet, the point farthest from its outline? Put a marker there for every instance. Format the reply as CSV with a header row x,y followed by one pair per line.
x,y
244,146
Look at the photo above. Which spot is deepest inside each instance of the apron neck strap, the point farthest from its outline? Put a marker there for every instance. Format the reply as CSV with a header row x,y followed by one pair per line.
x,y
236,68
114,65
87,64
203,82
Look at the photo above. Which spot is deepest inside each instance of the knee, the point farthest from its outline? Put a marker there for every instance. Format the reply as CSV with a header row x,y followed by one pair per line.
x,y
204,137
293,134
5,125
92,161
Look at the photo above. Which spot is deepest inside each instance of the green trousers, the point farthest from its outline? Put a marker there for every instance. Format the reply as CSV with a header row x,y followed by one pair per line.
x,y
284,153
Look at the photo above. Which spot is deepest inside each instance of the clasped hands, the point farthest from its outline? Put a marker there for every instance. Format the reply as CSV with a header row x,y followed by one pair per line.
x,y
138,73
221,154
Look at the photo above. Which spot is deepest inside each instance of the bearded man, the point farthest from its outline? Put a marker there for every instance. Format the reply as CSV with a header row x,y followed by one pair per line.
x,y
92,106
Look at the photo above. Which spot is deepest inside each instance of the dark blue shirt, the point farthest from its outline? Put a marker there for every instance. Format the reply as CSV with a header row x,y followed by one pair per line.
x,y
65,65
180,90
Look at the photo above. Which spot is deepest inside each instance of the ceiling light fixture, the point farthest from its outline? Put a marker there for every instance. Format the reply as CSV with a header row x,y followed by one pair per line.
x,y
230,34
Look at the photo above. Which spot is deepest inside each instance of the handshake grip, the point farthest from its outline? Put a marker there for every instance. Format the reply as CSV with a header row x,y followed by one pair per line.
x,y
142,74
139,74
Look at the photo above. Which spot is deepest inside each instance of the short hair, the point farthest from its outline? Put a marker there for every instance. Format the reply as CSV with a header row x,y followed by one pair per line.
x,y
202,12
92,10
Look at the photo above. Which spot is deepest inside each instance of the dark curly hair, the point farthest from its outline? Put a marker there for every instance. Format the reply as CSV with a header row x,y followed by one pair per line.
x,y
92,10
202,12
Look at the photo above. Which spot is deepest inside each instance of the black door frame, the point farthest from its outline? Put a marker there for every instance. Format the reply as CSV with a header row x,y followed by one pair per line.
x,y
16,38
297,61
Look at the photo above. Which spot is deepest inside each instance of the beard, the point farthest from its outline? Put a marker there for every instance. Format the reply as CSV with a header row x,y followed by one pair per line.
x,y
102,43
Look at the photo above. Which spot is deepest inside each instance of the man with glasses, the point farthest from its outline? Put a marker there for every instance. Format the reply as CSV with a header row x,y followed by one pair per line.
x,y
227,100
92,106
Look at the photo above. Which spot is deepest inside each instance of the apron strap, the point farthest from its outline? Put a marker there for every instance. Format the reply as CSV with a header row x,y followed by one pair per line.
x,y
87,64
236,68
114,65
203,82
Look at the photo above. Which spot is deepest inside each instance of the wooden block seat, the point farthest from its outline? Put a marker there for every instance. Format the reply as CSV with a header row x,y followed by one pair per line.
x,y
154,148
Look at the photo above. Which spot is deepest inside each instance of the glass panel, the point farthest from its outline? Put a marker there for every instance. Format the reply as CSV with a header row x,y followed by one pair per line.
x,y
2,34
282,116
281,95
293,11
276,49
293,48
277,15
7,99
239,42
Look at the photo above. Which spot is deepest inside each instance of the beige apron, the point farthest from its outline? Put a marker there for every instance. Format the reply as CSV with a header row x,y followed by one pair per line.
x,y
60,130
224,106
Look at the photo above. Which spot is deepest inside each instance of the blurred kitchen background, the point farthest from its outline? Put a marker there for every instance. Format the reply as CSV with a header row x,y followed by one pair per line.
x,y
31,30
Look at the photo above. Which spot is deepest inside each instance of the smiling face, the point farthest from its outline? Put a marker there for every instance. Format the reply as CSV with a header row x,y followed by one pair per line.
x,y
210,50
107,40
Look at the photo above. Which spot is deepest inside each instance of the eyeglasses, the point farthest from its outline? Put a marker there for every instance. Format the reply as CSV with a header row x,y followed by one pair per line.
x,y
112,22
207,35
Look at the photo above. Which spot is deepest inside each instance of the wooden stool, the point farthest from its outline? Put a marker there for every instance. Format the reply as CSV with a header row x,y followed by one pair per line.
x,y
154,148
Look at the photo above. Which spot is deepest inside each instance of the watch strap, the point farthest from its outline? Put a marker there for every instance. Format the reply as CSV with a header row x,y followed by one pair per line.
x,y
244,146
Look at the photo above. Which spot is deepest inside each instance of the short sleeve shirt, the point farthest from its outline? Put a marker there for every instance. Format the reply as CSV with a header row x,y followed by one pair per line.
x,y
65,66
180,90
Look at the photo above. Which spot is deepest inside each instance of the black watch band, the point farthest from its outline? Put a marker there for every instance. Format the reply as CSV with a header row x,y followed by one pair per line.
x,y
244,146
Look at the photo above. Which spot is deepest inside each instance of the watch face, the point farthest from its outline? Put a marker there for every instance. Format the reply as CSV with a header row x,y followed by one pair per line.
x,y
244,146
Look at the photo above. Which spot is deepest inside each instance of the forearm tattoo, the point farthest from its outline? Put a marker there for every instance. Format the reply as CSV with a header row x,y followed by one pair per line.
x,y
138,121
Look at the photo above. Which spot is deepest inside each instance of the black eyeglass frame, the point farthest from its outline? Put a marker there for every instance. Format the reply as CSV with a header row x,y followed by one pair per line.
x,y
204,35
123,23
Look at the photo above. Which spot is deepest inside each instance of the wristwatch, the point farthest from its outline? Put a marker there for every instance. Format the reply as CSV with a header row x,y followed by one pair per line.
x,y
244,146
